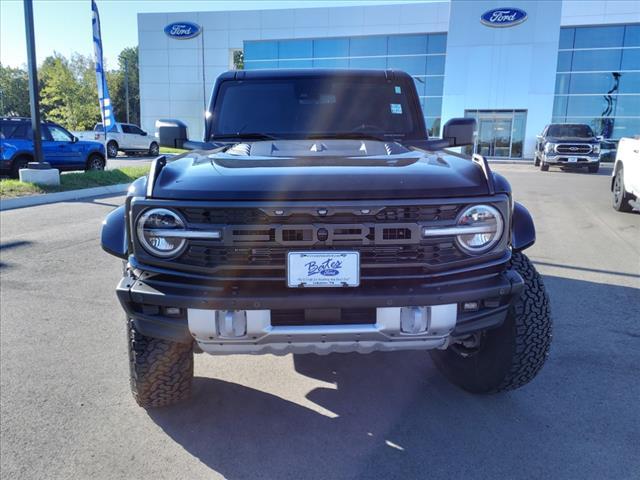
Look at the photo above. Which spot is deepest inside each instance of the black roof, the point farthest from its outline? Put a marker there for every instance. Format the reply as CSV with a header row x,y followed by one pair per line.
x,y
312,72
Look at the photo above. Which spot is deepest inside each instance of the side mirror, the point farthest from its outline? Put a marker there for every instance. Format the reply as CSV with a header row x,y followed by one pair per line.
x,y
459,132
144,134
600,138
74,139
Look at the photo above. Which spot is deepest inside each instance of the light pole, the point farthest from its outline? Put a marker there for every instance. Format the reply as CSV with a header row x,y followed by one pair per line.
x,y
126,85
34,98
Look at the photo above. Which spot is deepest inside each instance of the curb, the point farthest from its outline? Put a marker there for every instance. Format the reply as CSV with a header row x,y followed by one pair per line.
x,y
33,200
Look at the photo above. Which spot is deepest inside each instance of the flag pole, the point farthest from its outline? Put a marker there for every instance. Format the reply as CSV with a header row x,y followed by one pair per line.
x,y
106,110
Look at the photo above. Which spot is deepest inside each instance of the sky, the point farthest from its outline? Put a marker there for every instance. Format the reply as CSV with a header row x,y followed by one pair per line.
x,y
64,26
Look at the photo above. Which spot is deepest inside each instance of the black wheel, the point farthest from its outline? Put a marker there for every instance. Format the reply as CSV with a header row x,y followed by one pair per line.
x,y
621,198
544,166
112,149
160,371
154,149
536,160
96,162
511,355
594,168
18,163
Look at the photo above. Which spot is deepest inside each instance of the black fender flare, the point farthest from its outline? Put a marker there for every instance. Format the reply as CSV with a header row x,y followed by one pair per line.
x,y
114,239
523,231
114,233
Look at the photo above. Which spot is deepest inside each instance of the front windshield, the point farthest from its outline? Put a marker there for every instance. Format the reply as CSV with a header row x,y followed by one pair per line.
x,y
305,107
574,131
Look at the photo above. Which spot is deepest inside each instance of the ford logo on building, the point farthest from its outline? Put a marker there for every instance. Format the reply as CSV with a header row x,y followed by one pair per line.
x,y
182,30
503,17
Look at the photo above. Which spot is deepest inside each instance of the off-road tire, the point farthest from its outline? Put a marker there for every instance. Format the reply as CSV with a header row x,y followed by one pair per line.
x,y
95,162
536,160
620,202
154,149
160,371
511,355
544,166
112,149
594,168
18,163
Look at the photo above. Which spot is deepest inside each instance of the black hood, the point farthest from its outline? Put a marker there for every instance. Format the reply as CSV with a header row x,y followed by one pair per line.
x,y
571,140
318,170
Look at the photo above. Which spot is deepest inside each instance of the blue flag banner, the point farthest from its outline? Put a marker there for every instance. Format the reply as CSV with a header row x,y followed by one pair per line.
x,y
108,120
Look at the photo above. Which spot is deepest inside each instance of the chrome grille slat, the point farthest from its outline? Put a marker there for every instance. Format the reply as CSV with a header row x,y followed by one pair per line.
x,y
573,148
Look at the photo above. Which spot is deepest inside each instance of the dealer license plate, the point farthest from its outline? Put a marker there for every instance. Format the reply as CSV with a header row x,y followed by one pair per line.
x,y
573,159
323,269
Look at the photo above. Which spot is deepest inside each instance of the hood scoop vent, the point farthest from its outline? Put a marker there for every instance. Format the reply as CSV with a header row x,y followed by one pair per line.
x,y
240,149
393,149
318,147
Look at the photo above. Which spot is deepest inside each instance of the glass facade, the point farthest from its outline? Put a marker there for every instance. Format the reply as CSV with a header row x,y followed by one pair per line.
x,y
500,132
598,79
420,55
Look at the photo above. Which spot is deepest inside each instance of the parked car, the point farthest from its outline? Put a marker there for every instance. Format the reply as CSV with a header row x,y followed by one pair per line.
x,y
625,177
60,148
318,217
126,137
567,145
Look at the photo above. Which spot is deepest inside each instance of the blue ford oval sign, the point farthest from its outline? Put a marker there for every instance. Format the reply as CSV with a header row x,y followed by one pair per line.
x,y
182,30
503,17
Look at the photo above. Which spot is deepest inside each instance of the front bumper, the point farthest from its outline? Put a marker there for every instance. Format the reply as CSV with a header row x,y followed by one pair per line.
x,y
243,319
562,159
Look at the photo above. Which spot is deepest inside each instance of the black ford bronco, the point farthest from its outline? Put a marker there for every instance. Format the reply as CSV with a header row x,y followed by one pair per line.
x,y
317,217
567,145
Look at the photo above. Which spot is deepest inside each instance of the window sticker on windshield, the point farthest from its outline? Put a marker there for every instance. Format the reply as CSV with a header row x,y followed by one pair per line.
x,y
398,89
396,108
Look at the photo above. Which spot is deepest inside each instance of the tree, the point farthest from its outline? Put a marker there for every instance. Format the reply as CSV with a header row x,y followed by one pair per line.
x,y
68,91
238,60
116,80
14,91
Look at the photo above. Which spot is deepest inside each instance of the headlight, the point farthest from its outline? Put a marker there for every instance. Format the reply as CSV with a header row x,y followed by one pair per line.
x,y
155,230
478,229
484,225
550,147
596,148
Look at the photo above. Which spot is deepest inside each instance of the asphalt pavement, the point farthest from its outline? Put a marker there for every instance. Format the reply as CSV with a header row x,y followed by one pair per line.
x,y
128,161
66,410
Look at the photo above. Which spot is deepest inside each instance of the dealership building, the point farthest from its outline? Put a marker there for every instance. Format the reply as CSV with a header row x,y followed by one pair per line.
x,y
515,66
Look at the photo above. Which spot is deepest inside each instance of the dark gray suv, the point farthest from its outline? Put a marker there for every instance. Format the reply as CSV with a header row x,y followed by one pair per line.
x,y
567,145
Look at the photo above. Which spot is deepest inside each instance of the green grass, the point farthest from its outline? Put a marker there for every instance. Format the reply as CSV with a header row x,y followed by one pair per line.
x,y
73,181
172,150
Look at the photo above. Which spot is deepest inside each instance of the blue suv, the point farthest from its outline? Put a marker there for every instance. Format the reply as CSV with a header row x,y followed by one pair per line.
x,y
60,148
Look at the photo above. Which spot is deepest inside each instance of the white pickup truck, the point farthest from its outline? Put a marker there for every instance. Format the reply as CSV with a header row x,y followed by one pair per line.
x,y
126,138
625,181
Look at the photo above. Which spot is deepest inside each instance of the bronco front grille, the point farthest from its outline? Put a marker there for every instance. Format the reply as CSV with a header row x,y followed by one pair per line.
x,y
573,149
433,253
266,216
256,238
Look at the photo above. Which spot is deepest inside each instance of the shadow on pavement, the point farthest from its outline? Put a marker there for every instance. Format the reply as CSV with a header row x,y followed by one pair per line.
x,y
15,244
393,416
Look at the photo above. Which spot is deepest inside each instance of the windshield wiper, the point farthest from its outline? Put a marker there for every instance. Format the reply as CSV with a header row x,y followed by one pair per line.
x,y
248,136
